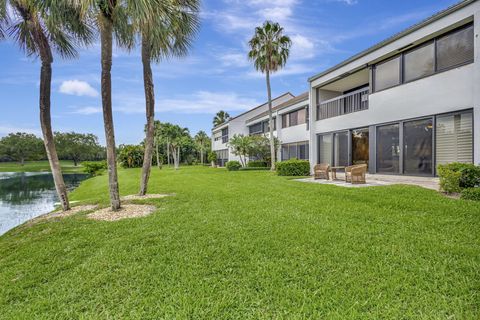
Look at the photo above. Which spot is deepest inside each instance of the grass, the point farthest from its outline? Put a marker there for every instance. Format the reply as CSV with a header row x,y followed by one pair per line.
x,y
36,166
249,245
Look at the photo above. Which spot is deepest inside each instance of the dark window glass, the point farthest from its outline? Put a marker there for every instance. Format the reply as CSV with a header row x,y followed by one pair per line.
x,y
388,149
419,62
292,151
360,146
387,74
302,151
417,147
293,119
284,152
285,121
340,155
455,48
256,128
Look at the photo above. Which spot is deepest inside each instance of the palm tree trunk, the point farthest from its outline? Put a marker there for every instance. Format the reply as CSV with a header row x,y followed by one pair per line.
x,y
158,154
45,118
201,155
168,153
270,121
106,84
150,111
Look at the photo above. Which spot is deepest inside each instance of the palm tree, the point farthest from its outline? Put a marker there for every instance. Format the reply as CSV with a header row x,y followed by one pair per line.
x,y
168,32
41,28
110,17
201,139
220,118
269,51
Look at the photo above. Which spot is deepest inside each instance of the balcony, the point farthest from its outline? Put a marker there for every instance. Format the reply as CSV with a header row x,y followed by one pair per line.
x,y
344,104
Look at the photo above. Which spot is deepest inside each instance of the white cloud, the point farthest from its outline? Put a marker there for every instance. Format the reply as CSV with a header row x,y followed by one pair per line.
x,y
205,102
6,129
87,110
78,88
234,59
348,2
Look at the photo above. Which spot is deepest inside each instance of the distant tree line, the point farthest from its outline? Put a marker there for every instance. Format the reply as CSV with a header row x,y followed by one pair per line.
x,y
21,147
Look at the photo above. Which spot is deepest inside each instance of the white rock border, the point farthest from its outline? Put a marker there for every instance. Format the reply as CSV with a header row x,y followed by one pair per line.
x,y
127,211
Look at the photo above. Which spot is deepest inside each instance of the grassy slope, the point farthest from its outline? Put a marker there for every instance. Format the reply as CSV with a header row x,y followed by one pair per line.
x,y
34,166
249,245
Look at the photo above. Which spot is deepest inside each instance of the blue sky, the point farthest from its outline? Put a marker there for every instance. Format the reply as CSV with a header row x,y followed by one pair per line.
x,y
215,76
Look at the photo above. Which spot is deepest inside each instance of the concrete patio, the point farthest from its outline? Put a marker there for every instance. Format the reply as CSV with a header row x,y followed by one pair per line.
x,y
378,180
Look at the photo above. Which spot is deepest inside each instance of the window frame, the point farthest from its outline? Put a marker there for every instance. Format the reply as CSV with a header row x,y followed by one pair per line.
x,y
436,69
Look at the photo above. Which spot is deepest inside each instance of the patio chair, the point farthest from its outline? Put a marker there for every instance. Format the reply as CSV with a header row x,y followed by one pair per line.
x,y
321,171
356,174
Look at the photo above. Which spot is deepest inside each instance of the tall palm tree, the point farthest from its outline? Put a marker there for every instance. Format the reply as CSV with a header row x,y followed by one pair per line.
x,y
41,28
201,139
168,32
220,118
269,51
110,17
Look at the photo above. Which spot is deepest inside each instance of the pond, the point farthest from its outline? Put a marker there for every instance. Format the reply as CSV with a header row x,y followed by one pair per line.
x,y
26,195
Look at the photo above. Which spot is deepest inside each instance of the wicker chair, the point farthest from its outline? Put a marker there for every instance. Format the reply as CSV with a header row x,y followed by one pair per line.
x,y
321,171
356,174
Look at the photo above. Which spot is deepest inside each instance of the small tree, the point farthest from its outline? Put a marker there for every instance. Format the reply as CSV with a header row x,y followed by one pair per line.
x,y
201,139
22,146
241,146
77,146
212,158
260,147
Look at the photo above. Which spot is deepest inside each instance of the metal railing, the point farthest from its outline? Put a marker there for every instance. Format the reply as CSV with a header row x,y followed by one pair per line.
x,y
348,103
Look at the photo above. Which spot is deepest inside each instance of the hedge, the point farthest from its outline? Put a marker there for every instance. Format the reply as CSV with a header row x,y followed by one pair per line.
x,y
94,168
254,169
454,177
470,194
293,167
233,165
257,164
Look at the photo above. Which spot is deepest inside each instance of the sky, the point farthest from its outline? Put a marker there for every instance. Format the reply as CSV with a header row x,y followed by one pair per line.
x,y
216,75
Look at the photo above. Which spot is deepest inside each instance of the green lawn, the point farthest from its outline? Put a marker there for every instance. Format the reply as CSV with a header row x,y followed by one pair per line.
x,y
35,166
249,245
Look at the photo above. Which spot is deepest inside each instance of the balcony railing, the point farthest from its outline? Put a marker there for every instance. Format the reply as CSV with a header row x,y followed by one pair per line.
x,y
348,103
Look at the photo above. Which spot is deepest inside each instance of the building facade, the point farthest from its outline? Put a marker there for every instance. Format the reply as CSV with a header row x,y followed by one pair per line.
x,y
402,106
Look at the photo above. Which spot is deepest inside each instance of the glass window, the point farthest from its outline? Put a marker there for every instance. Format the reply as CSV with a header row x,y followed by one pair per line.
x,y
256,128
360,146
388,149
387,74
455,48
292,151
303,151
340,155
293,119
285,122
419,62
454,138
417,147
302,116
325,148
285,152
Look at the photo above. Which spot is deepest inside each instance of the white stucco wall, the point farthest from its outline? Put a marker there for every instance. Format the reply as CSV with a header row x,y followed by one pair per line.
x,y
476,91
444,92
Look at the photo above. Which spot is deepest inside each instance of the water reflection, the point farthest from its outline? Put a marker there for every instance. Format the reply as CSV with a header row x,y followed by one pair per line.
x,y
26,195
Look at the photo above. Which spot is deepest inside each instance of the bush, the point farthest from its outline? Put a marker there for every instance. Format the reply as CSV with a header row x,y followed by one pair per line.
x,y
94,168
254,169
233,165
131,156
293,167
257,164
457,176
471,194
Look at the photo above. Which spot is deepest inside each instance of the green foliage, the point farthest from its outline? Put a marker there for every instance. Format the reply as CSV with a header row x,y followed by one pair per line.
x,y
220,118
22,146
257,164
233,165
78,147
212,156
470,194
293,167
259,147
457,176
240,146
94,168
254,169
130,156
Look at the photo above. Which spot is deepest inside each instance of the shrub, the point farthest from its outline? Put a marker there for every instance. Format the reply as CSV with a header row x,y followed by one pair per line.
x,y
254,169
257,164
212,157
471,194
233,165
94,168
131,156
457,176
293,167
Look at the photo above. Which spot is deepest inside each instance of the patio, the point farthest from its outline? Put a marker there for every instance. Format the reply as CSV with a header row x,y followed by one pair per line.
x,y
377,180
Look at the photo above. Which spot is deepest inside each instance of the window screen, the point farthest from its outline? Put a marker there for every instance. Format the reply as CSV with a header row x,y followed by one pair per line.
x,y
387,74
455,48
419,62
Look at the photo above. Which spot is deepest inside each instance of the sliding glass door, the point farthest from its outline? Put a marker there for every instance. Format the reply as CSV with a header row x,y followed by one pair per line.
x,y
325,148
388,149
418,147
360,146
340,154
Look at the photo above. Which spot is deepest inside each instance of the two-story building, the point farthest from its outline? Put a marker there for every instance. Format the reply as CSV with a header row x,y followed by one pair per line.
x,y
406,104
403,106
